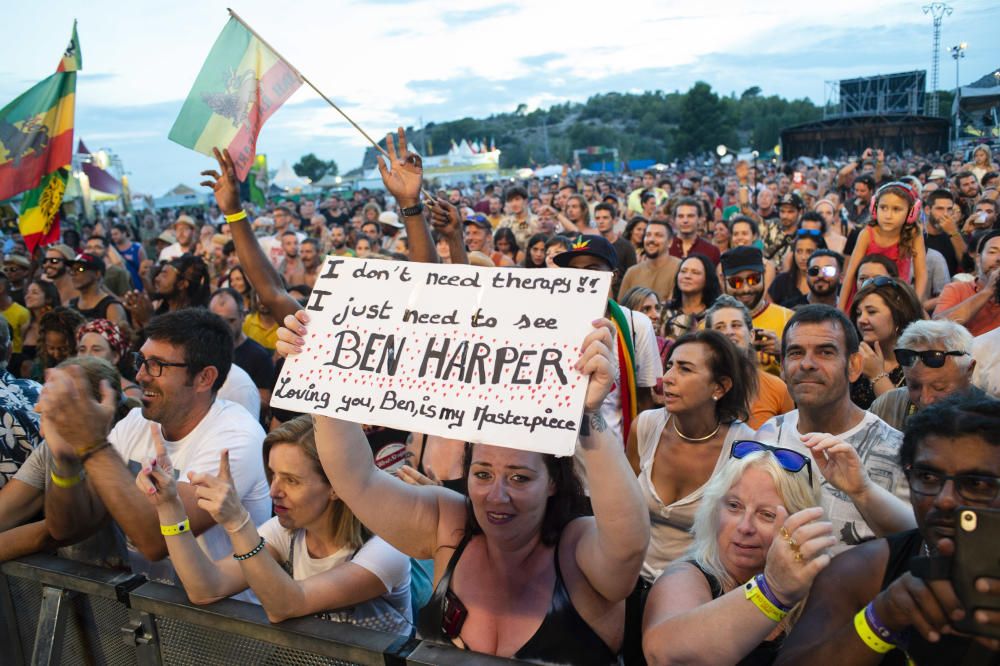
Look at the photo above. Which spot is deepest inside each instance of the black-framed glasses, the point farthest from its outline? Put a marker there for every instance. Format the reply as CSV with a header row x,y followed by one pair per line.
x,y
970,487
825,271
751,280
932,358
154,366
809,233
790,461
879,281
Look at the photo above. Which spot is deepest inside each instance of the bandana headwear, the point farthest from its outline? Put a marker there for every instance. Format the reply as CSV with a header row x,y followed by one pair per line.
x,y
107,330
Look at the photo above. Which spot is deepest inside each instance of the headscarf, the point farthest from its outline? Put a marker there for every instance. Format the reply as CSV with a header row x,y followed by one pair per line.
x,y
107,330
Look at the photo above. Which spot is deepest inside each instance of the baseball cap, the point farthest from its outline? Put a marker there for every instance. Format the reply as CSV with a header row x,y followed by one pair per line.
x,y
480,221
743,258
89,261
791,199
595,246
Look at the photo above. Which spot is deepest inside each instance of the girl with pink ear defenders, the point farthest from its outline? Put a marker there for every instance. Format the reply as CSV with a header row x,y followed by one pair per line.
x,y
909,193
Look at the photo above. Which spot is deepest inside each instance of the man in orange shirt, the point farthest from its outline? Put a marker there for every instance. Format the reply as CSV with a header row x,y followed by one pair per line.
x,y
731,318
976,305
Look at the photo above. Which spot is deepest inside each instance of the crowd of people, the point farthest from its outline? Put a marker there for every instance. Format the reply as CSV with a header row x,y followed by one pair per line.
x,y
791,391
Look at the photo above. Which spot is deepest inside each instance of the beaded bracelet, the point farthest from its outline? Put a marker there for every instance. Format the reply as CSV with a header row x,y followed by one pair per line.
x,y
247,556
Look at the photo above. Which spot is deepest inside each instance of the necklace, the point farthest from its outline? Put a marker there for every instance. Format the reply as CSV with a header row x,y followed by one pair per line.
x,y
718,425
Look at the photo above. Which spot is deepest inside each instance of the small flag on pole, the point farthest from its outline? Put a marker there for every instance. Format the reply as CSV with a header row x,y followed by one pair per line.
x,y
72,60
241,84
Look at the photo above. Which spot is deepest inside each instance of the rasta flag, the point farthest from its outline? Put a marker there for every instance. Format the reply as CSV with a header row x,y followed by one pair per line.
x,y
72,59
626,366
241,84
39,222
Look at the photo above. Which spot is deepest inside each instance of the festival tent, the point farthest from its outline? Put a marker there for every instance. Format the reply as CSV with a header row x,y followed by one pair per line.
x,y
287,180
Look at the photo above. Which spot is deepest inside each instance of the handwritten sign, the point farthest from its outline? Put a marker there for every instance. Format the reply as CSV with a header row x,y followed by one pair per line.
x,y
480,354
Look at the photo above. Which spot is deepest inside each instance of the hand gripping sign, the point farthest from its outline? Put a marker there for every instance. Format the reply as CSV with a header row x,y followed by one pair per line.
x,y
480,354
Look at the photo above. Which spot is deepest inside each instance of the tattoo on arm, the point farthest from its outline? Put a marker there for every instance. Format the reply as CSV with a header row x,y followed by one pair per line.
x,y
592,421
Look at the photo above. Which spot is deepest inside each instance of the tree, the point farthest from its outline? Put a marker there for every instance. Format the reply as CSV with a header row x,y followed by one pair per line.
x,y
311,167
704,123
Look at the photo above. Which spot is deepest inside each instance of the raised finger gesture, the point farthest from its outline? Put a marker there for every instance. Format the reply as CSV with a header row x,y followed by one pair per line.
x,y
217,495
223,182
404,175
156,480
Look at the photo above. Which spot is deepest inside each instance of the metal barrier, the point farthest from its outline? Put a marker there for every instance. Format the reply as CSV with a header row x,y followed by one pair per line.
x,y
56,611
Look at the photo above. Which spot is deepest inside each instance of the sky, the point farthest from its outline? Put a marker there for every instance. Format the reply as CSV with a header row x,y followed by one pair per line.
x,y
402,62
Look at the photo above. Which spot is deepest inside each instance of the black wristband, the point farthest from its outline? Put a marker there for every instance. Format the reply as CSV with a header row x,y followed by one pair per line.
x,y
412,211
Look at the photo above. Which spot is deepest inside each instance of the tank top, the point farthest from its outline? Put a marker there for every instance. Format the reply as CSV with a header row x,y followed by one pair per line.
x,y
99,311
563,637
904,264
131,257
670,525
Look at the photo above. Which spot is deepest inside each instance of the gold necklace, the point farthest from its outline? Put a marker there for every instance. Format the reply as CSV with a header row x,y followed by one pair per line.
x,y
673,422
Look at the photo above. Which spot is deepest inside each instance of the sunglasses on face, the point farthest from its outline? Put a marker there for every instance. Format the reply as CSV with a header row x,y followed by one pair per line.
x,y
970,487
790,461
809,233
825,271
54,260
932,358
751,280
878,281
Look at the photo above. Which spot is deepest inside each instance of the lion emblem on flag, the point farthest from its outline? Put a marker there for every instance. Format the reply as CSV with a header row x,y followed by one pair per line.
x,y
235,102
32,135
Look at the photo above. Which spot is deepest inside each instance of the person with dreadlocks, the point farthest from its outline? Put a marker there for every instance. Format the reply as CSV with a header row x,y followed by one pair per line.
x,y
634,345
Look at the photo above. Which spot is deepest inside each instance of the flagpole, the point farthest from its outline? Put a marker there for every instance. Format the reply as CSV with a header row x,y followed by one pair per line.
x,y
318,91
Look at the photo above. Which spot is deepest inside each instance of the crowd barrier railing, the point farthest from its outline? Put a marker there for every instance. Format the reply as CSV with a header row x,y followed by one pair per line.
x,y
57,611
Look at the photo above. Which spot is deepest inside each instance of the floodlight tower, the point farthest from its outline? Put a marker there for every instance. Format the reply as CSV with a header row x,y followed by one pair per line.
x,y
937,10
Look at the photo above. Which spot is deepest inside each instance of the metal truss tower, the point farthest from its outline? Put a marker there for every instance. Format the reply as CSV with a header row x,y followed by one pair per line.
x,y
937,10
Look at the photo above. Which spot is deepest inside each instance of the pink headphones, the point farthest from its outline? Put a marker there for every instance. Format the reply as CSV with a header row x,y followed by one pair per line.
x,y
915,203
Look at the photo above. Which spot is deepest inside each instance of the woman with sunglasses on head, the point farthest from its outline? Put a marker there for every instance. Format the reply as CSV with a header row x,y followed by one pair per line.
x,y
792,284
882,309
695,289
759,541
674,450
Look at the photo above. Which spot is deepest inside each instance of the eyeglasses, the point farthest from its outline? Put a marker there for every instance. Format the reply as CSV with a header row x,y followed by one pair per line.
x,y
970,487
825,271
878,281
790,461
751,280
153,366
809,233
932,358
54,260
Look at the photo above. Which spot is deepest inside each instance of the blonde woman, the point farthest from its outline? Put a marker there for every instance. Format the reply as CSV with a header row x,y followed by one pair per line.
x,y
759,542
313,558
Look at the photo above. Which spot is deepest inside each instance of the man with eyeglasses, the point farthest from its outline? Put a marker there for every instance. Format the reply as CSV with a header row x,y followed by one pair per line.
x,y
936,357
743,279
56,270
976,305
868,607
182,365
823,275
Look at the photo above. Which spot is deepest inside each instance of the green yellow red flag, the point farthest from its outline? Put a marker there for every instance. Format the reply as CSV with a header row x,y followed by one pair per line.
x,y
39,218
72,59
241,84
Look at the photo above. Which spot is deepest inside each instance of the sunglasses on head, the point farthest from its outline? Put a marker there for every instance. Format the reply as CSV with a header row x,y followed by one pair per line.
x,y
932,358
809,233
825,271
790,461
751,280
878,281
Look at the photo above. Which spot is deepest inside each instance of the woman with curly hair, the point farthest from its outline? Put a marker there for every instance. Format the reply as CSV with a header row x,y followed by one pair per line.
x,y
57,338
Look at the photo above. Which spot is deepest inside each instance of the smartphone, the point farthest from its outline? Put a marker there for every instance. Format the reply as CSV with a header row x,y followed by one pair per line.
x,y
977,555
453,614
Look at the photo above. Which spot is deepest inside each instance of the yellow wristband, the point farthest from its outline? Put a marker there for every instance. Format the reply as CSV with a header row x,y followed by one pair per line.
x,y
65,481
868,635
236,217
763,603
179,528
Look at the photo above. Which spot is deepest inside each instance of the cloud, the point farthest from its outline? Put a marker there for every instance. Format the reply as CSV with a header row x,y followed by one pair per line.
x,y
94,77
459,17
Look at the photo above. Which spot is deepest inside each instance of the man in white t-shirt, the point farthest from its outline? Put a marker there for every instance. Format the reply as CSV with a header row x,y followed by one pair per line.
x,y
820,359
187,241
595,253
181,367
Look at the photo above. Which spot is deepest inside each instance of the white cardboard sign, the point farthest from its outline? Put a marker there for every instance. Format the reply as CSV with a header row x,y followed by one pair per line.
x,y
480,354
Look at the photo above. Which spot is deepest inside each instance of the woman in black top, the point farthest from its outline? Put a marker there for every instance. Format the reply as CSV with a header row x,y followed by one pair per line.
x,y
520,572
789,285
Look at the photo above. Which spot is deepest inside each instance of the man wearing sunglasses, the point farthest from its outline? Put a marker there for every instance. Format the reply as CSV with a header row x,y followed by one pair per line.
x,y
17,268
823,276
743,273
867,605
56,270
936,357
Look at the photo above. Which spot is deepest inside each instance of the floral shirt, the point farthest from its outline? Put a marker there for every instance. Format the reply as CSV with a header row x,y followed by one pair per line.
x,y
19,423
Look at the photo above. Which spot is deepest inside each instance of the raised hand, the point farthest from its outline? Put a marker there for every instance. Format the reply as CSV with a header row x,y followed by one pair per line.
x,y
290,334
407,172
224,183
217,495
156,480
872,360
445,218
74,422
838,462
596,362
139,306
798,553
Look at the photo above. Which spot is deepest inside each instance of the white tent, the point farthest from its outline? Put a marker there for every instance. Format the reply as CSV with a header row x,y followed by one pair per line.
x,y
287,180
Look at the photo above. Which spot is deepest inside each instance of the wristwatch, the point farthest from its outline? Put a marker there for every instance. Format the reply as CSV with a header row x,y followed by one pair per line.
x,y
412,211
